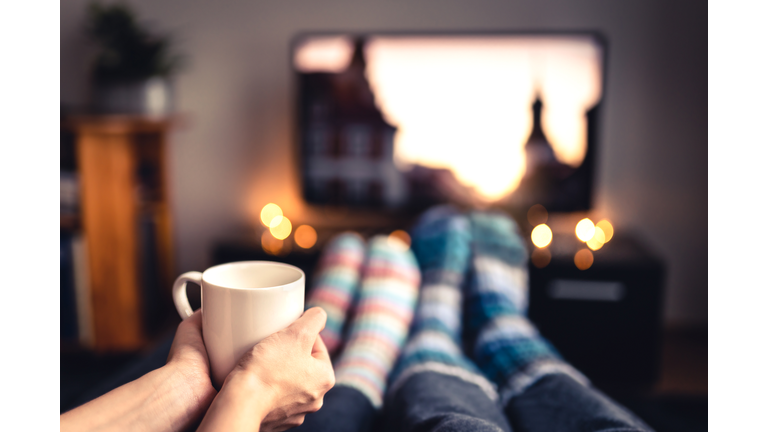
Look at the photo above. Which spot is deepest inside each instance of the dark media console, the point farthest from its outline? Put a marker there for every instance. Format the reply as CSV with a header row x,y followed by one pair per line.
x,y
605,320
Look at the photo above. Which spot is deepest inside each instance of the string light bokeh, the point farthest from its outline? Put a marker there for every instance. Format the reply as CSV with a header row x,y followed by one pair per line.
x,y
275,240
583,259
400,236
305,236
593,235
271,214
541,236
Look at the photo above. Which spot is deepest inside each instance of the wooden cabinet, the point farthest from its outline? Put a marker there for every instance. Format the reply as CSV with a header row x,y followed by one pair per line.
x,y
126,221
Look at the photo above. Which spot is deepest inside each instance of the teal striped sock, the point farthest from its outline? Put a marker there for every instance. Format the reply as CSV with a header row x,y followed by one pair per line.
x,y
506,345
336,279
441,244
383,314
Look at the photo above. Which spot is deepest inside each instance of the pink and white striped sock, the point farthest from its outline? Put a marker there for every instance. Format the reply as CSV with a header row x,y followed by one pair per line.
x,y
335,282
383,315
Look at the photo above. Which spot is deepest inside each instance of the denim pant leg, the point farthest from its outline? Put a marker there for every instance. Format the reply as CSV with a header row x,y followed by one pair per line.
x,y
558,403
345,409
431,401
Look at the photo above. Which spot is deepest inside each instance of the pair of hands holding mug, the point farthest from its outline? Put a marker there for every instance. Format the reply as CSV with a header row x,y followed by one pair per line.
x,y
273,386
276,383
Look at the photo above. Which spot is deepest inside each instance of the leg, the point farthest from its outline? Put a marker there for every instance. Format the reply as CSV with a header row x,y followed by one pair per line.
x,y
336,279
557,402
382,315
434,386
434,401
540,391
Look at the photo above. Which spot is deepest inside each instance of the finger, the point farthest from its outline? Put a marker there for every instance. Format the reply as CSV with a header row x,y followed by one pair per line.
x,y
309,325
188,330
292,422
191,327
196,320
319,350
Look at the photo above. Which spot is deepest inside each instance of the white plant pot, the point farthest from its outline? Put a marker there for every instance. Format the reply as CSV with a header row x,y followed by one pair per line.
x,y
152,97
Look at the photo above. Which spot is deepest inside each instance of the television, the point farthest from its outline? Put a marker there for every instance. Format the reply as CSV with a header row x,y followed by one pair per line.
x,y
401,121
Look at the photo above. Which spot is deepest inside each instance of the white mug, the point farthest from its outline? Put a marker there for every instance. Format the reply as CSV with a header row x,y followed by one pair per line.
x,y
242,303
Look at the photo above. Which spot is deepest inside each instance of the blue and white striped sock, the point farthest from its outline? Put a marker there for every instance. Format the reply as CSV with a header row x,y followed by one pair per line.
x,y
507,347
441,245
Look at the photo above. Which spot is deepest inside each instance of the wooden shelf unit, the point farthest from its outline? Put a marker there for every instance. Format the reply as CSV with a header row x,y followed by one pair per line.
x,y
123,188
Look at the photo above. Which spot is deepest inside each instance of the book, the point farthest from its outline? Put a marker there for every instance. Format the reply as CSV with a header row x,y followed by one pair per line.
x,y
68,329
82,291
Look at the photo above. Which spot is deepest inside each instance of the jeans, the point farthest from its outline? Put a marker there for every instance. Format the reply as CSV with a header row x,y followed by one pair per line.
x,y
433,402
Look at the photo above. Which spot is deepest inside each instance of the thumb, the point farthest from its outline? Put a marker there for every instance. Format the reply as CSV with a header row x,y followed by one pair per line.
x,y
319,351
309,325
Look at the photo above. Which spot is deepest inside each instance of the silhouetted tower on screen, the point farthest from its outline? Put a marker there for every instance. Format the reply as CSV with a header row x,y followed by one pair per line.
x,y
538,151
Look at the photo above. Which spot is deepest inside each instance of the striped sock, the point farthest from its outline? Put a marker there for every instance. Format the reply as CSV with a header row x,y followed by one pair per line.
x,y
507,347
336,280
383,314
441,244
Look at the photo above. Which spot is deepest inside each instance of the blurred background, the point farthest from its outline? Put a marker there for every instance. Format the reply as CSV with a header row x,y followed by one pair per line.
x,y
197,133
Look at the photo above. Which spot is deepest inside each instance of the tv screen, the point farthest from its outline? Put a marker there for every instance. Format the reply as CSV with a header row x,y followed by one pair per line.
x,y
404,121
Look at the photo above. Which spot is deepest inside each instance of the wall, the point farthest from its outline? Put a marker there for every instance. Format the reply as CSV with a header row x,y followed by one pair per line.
x,y
234,153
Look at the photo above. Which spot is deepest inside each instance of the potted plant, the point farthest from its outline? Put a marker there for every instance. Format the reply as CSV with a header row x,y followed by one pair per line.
x,y
131,72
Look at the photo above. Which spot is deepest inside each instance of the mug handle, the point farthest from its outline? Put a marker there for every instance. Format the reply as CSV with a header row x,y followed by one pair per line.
x,y
180,292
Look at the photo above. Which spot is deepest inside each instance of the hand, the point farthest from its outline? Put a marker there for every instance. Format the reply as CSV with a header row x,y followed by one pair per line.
x,y
294,364
189,358
277,382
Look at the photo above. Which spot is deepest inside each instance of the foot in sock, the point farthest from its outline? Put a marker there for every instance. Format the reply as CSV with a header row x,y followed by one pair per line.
x,y
335,284
382,316
441,243
506,346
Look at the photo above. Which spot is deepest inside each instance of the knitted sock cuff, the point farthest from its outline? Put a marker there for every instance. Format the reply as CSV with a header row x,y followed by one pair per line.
x,y
462,372
369,390
496,234
521,380
441,243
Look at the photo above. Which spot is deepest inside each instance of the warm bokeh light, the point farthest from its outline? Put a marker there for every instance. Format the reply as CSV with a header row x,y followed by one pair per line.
x,y
541,257
585,229
402,236
541,236
598,240
270,244
282,230
537,214
583,259
271,215
607,229
324,54
305,236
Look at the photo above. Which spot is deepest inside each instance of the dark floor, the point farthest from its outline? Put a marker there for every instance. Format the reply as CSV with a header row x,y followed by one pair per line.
x,y
670,413
677,403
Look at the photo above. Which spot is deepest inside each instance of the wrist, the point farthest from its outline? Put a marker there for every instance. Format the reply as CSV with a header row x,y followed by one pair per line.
x,y
185,395
241,405
246,386
189,381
